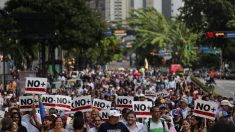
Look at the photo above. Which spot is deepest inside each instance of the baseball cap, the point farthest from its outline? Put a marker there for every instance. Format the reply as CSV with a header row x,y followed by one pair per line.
x,y
163,106
162,101
224,102
114,113
175,112
184,100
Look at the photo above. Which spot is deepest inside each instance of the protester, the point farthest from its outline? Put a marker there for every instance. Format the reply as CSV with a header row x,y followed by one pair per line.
x,y
98,122
16,117
155,124
59,125
132,124
47,124
113,123
7,124
186,126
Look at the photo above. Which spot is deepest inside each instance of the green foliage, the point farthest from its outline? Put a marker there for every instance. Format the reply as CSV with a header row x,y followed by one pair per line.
x,y
76,25
207,15
153,28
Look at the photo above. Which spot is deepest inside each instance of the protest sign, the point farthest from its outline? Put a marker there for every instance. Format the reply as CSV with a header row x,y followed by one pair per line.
x,y
162,94
142,108
150,93
104,114
83,103
57,101
205,109
26,103
124,102
101,104
35,85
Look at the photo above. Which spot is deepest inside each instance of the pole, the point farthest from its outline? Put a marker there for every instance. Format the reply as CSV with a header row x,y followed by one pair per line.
x,y
4,79
221,63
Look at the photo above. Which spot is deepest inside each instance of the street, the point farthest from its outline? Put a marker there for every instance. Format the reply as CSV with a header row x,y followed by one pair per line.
x,y
224,87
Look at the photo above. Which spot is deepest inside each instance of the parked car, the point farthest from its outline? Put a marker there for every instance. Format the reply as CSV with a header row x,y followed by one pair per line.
x,y
230,75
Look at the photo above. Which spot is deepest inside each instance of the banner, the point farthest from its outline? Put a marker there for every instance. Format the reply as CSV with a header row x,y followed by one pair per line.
x,y
83,103
57,101
124,102
205,109
142,108
162,94
150,93
104,114
101,104
26,103
35,85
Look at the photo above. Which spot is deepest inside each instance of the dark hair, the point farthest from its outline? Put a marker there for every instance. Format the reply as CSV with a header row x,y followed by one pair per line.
x,y
151,109
124,110
7,124
17,113
54,121
78,123
131,112
78,114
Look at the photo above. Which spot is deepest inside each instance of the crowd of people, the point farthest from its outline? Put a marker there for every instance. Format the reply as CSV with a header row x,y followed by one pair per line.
x,y
173,113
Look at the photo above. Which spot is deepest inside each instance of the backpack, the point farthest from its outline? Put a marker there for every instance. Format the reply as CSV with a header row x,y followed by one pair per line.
x,y
163,124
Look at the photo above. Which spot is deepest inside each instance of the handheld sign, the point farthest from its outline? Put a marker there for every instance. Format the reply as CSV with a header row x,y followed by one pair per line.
x,y
124,102
205,109
63,102
83,104
104,114
142,108
149,93
101,104
36,85
26,103
57,101
162,94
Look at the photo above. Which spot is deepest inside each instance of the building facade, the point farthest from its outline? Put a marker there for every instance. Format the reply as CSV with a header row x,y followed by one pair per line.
x,y
119,10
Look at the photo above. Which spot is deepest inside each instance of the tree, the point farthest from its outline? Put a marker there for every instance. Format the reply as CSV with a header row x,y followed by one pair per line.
x,y
154,29
75,24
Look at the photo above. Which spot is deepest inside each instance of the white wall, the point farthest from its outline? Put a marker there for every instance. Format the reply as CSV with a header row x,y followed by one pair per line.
x,y
157,4
2,3
176,4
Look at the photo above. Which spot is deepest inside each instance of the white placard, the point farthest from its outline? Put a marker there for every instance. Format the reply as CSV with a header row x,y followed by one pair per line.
x,y
26,103
124,102
104,114
205,109
102,104
83,103
35,85
162,94
150,93
57,101
142,108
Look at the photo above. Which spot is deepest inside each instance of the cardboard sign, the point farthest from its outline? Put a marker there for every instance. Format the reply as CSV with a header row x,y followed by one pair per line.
x,y
162,94
57,101
150,93
104,114
26,103
124,102
36,85
101,104
142,108
205,109
83,104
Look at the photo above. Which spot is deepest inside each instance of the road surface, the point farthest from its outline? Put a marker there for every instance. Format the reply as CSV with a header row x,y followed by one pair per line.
x,y
224,87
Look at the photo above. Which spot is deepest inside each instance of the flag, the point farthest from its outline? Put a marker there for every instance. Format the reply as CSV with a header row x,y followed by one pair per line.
x,y
41,108
146,64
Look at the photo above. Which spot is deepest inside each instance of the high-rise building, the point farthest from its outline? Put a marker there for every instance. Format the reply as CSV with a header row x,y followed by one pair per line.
x,y
2,3
118,10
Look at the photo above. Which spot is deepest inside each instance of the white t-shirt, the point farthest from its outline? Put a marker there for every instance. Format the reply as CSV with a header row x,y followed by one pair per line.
x,y
26,119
